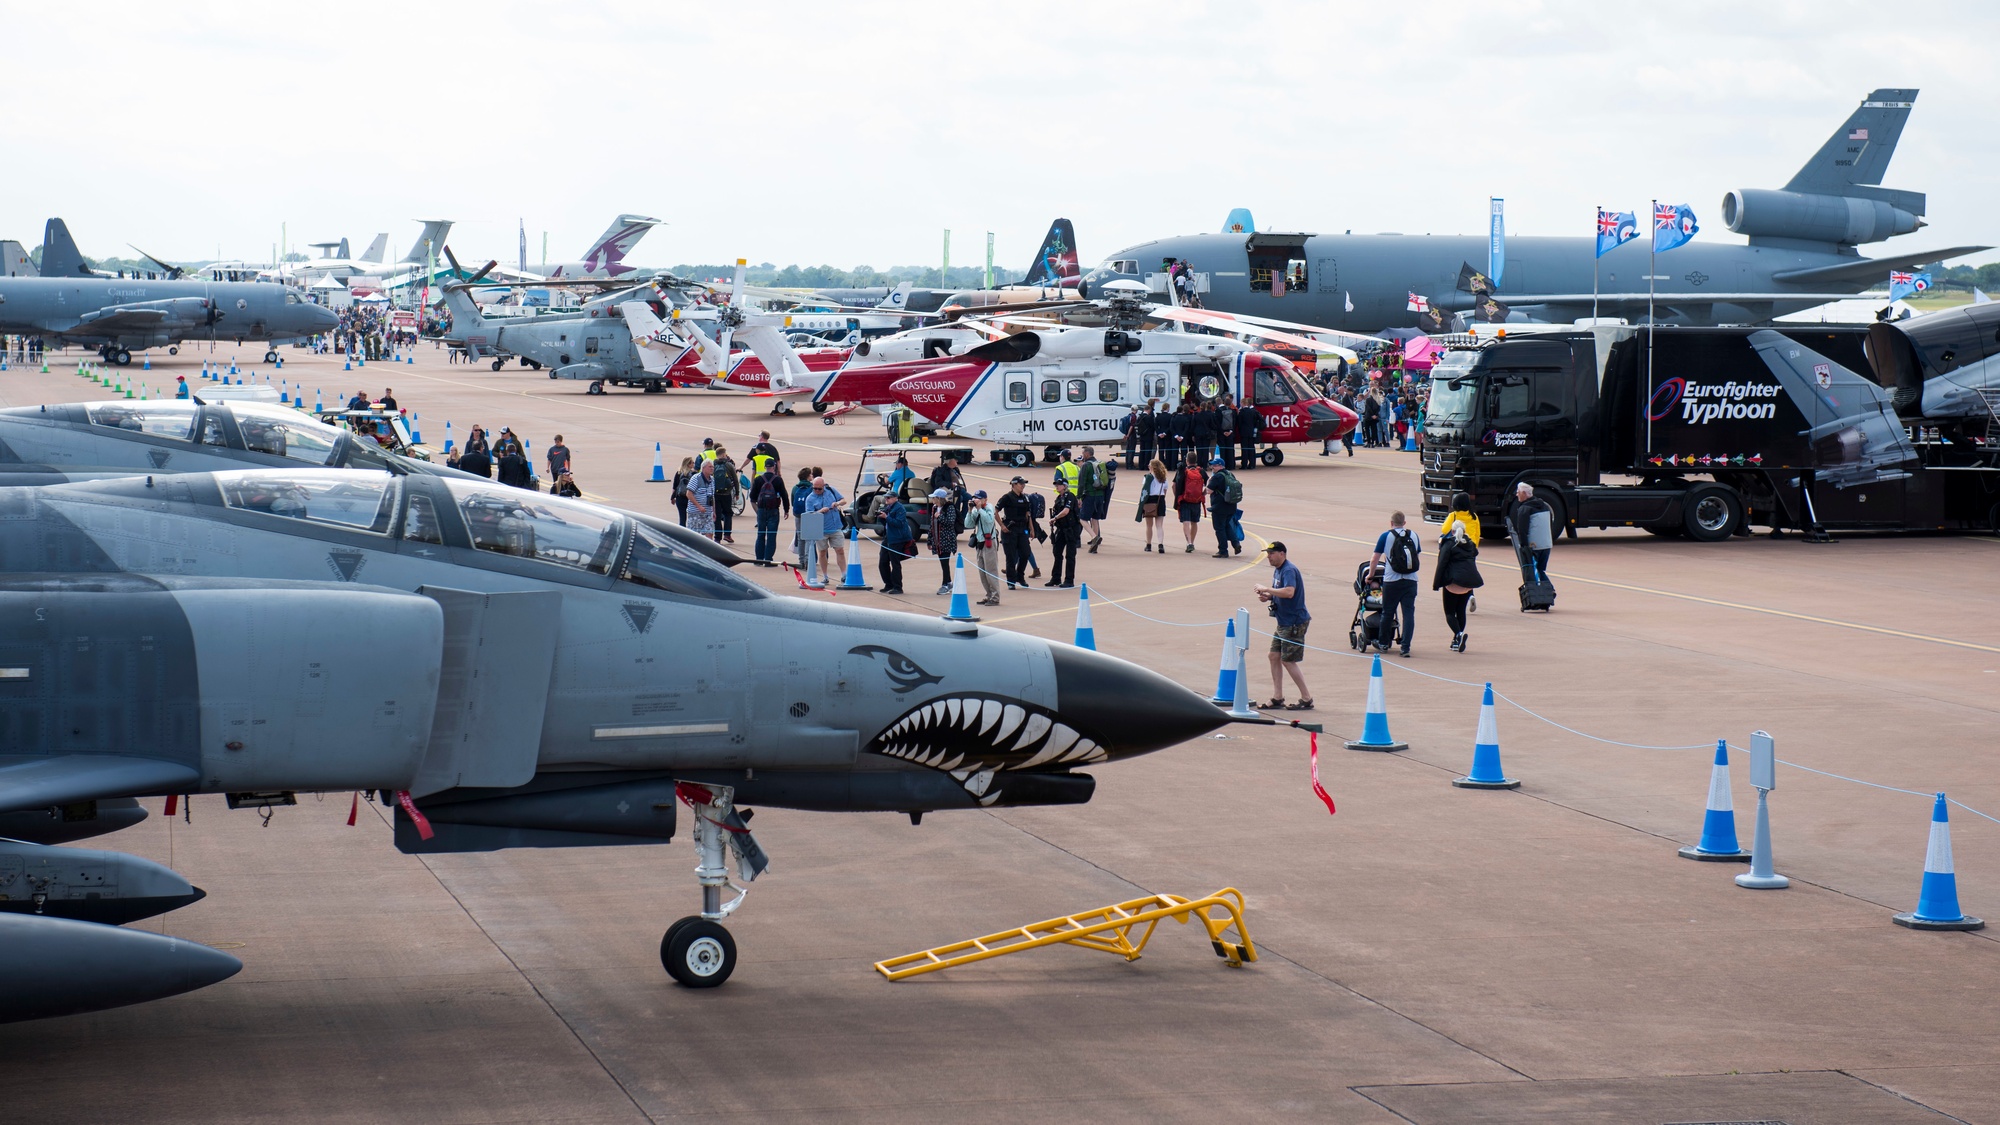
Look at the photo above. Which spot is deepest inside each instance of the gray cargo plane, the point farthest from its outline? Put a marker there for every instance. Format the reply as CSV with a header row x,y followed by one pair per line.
x,y
232,632
71,304
1801,253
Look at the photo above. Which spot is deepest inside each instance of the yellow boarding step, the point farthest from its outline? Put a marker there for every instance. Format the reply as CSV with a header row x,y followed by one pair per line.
x,y
1108,928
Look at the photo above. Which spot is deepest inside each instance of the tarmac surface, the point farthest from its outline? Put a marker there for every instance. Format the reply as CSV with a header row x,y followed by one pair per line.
x,y
1429,954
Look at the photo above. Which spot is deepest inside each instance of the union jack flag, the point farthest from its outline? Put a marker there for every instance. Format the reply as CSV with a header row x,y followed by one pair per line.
x,y
1664,215
1419,304
1899,278
1607,223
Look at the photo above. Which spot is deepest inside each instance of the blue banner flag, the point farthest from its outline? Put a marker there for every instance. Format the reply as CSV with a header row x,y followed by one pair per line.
x,y
1615,229
1673,226
1902,284
1496,242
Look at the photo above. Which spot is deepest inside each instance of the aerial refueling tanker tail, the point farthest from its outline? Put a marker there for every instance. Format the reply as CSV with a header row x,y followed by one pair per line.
x,y
1834,201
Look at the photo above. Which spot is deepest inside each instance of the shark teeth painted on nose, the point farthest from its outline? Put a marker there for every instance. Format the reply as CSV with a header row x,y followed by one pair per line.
x,y
979,739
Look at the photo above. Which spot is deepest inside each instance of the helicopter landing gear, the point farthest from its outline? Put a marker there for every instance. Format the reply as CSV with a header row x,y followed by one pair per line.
x,y
596,386
697,951
499,363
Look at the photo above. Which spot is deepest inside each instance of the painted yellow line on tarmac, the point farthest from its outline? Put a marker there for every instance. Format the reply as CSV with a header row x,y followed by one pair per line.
x,y
1766,610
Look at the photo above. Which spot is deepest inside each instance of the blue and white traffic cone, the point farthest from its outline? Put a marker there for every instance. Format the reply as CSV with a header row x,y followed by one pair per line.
x,y
961,602
853,579
659,467
410,359
318,403
285,392
148,365
447,435
232,366
1239,707
1225,675
1486,772
1937,903
1718,825
281,363
416,435
1086,636
348,366
1375,724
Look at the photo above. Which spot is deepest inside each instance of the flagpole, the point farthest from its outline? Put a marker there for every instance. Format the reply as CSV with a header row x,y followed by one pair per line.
x,y
1595,255
1652,320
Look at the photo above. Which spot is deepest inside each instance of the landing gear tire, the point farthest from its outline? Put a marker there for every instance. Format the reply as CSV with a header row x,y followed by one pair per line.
x,y
269,357
698,953
498,364
656,387
1020,458
1272,457
123,358
819,408
533,365
173,351
1711,513
596,388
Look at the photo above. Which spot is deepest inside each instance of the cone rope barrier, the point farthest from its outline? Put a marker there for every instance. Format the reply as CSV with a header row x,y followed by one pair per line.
x,y
1239,707
1375,724
1718,824
1937,902
1225,674
1486,772
961,602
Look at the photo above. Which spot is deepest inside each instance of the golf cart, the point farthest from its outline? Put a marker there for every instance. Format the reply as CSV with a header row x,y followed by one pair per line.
x,y
380,424
870,482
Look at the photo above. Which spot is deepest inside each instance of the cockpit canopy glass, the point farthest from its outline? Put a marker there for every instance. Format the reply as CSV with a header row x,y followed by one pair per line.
x,y
283,433
160,419
359,501
528,525
663,564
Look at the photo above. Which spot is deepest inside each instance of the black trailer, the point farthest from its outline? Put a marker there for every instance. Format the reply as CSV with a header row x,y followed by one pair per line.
x,y
1708,432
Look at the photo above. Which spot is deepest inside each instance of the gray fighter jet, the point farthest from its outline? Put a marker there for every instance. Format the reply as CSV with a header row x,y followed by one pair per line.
x,y
117,437
1801,252
506,669
71,304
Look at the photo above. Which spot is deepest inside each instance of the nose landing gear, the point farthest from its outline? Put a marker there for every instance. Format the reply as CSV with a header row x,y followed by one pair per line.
x,y
697,951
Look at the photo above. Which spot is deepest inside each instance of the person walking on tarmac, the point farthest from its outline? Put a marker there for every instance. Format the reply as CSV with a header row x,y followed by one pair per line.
x,y
1017,520
1249,431
1457,573
944,535
899,542
1532,525
1225,492
1154,489
1065,535
1095,482
1286,595
1190,488
1398,556
773,502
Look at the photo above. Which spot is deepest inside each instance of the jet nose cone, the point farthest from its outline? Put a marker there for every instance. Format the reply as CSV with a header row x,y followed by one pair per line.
x,y
324,317
1127,709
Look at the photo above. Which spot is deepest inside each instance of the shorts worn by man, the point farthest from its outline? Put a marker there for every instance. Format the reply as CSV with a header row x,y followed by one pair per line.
x,y
1286,595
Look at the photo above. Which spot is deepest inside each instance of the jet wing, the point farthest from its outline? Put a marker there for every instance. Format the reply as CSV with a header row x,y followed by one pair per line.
x,y
1867,270
87,777
121,319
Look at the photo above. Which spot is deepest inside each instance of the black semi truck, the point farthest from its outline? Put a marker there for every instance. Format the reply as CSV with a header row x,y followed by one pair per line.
x,y
1885,427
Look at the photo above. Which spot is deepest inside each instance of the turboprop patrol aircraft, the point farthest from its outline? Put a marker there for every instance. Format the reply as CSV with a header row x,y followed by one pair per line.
x,y
231,632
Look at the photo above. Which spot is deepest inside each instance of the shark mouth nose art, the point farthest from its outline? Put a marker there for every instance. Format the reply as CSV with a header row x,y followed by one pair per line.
x,y
973,736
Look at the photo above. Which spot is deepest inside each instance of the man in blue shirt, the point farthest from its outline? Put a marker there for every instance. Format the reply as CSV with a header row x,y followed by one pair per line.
x,y
825,501
899,476
1286,595
1398,558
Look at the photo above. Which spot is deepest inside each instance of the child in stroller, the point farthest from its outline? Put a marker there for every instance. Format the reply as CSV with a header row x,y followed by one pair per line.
x,y
1366,628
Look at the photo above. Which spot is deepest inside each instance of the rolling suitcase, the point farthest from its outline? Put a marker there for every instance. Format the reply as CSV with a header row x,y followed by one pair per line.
x,y
1536,593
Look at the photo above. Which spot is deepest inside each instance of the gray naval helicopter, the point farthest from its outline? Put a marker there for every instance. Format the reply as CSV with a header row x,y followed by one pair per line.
x,y
526,671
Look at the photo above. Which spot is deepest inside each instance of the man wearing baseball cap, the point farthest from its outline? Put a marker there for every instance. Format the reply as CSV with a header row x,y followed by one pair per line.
x,y
1017,519
1224,493
1286,595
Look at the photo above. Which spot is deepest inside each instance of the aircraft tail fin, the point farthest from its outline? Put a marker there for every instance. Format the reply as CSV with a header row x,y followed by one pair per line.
x,y
14,260
1055,263
376,248
899,299
430,240
60,257
617,240
1858,152
1239,222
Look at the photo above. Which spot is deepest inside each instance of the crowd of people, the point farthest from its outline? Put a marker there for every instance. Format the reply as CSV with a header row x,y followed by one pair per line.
x,y
365,330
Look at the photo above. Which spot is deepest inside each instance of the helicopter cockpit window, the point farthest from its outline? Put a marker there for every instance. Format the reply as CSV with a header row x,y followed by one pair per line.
x,y
162,419
1271,385
508,521
358,501
659,562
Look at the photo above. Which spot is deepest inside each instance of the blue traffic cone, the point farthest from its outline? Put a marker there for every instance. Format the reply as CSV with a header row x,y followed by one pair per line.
x,y
318,403
1375,724
1225,676
447,435
1937,903
961,602
284,391
410,359
148,365
853,579
416,435
281,363
232,367
1486,772
1086,636
659,467
348,366
1718,824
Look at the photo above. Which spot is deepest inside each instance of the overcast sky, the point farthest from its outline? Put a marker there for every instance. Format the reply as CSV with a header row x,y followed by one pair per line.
x,y
846,133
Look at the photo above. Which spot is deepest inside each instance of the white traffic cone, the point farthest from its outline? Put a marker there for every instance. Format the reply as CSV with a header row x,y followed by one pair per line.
x,y
1225,675
1937,903
1086,636
1718,824
1375,724
961,602
1486,772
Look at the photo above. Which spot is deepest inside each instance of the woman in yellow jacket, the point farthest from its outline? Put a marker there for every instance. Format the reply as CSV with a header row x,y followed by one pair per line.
x,y
1462,519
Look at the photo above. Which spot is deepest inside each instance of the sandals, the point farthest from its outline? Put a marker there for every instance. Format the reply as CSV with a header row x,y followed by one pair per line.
x,y
1277,704
1301,705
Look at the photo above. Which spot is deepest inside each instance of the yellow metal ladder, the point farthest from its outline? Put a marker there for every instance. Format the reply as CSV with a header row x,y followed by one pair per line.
x,y
1107,928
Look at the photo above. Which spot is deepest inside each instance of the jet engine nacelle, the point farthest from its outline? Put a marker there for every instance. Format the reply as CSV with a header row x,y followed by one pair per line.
x,y
307,686
1814,218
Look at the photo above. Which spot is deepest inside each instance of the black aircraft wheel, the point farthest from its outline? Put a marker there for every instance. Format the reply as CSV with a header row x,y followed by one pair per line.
x,y
552,374
173,351
596,388
1273,457
532,364
655,387
819,408
1711,513
1020,458
269,357
698,953
123,358
498,363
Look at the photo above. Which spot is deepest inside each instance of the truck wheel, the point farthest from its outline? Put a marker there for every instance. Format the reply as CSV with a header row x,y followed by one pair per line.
x,y
1711,513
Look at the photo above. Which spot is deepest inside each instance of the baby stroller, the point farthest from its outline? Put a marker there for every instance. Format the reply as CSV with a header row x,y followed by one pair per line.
x,y
1366,628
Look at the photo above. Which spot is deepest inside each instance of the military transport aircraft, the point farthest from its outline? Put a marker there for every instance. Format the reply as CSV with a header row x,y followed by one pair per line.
x,y
1801,253
231,632
119,315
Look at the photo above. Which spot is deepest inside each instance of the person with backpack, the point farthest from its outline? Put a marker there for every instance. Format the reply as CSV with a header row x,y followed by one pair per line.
x,y
1190,486
1225,492
726,484
1398,558
1095,481
773,502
